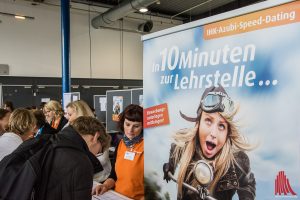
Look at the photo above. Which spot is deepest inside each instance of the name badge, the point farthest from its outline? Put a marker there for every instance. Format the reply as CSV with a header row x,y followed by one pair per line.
x,y
129,155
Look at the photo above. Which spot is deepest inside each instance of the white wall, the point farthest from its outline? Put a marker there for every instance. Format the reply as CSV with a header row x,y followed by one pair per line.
x,y
33,47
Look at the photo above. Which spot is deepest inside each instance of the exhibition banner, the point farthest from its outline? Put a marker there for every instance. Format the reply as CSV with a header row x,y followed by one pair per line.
x,y
255,58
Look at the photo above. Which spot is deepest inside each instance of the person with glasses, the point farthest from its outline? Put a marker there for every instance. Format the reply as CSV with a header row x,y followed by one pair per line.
x,y
216,139
74,163
79,108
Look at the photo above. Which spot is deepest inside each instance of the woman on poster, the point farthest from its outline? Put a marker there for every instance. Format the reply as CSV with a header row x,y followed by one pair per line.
x,y
216,140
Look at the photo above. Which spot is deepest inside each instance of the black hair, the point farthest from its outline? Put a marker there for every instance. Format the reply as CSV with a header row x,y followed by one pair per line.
x,y
133,113
40,118
10,105
3,113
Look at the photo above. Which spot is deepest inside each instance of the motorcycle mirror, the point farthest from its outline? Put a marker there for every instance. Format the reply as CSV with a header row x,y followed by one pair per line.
x,y
203,172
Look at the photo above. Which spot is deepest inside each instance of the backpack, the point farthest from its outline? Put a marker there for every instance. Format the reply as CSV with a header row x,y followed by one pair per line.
x,y
22,171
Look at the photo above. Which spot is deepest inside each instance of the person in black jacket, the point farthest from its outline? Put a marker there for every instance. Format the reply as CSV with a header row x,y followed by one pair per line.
x,y
215,138
42,126
71,175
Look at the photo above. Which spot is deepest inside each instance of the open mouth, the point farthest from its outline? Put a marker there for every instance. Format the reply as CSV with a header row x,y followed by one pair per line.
x,y
210,145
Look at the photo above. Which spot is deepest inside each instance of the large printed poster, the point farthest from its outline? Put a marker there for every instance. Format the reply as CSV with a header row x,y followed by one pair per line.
x,y
256,59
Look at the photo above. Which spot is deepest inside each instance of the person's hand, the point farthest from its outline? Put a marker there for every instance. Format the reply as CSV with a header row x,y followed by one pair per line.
x,y
99,189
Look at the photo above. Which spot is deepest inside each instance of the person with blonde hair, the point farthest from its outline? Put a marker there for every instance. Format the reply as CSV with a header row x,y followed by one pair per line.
x,y
79,108
21,126
216,139
55,115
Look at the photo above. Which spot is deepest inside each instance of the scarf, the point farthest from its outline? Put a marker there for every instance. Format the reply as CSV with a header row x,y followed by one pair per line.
x,y
135,140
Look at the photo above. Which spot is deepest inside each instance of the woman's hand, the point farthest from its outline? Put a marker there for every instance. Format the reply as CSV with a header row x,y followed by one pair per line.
x,y
100,189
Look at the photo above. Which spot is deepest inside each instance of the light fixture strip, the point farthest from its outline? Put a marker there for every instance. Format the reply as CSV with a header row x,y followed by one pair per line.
x,y
19,17
16,16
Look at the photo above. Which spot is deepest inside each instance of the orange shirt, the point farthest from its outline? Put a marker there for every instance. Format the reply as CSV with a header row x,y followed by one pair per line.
x,y
55,122
130,170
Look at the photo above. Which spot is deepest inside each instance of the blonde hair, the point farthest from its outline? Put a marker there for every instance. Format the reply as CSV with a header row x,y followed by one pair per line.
x,y
81,108
186,144
55,106
21,121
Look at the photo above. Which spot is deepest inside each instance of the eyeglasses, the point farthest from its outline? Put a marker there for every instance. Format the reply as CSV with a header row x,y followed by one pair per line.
x,y
99,154
217,102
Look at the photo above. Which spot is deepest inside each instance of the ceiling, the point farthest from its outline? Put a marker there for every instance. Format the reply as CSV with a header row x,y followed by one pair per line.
x,y
185,10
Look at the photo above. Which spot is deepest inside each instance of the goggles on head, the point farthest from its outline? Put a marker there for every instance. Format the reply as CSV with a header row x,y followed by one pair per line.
x,y
217,102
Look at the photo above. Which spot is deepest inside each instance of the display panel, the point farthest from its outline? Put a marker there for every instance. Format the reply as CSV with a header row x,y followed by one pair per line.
x,y
255,57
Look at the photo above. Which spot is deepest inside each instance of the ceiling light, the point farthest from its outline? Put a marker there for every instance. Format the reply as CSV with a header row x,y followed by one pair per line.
x,y
19,17
16,16
143,9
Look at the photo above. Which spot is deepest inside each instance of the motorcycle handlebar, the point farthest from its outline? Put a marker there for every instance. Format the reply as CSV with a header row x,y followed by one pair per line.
x,y
186,185
190,187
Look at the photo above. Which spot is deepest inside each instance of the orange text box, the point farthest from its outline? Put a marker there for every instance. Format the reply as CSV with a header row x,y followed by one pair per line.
x,y
280,15
156,116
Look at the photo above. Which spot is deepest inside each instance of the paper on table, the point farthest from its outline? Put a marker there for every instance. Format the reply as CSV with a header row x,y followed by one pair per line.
x,y
109,195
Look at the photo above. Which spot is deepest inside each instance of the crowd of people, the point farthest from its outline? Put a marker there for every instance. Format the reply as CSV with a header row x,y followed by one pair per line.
x,y
85,156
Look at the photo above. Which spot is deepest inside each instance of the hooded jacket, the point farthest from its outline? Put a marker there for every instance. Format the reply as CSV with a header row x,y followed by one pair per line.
x,y
71,174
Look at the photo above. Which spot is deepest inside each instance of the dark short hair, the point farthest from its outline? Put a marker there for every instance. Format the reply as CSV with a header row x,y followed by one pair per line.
x,y
133,113
40,118
9,104
41,106
3,113
87,125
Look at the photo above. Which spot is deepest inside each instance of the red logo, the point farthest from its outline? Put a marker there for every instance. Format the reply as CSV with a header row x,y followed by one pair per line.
x,y
282,185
